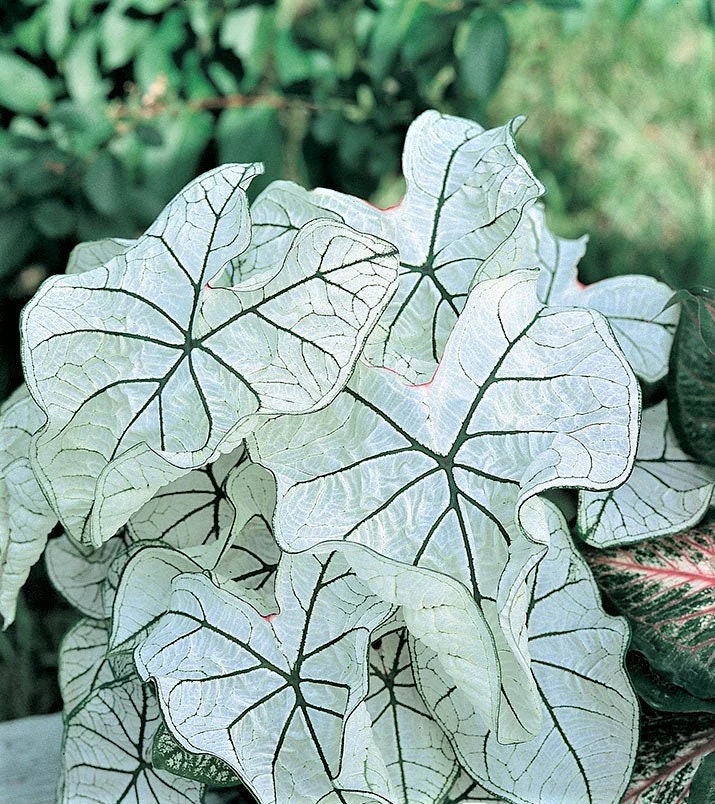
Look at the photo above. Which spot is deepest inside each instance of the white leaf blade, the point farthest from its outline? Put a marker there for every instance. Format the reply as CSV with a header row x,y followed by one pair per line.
x,y
586,747
157,349
666,492
300,673
25,515
79,573
633,305
420,761
450,486
110,720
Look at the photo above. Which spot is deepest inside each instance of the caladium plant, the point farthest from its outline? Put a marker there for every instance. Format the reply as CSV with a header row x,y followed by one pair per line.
x,y
306,456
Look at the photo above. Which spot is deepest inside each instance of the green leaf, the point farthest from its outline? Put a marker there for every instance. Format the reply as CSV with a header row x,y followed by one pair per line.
x,y
452,475
23,86
104,184
671,749
252,134
249,32
169,755
702,785
120,37
54,218
691,384
664,587
659,693
166,168
81,70
17,239
149,403
110,721
666,492
25,517
294,683
58,15
393,22
485,54
587,744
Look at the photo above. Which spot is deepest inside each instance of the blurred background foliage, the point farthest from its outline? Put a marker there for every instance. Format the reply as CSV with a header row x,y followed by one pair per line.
x,y
108,108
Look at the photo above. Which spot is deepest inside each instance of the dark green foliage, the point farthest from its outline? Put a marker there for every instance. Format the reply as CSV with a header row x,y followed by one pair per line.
x,y
692,374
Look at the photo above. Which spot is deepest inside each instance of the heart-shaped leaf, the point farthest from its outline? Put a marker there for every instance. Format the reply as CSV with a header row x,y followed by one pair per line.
x,y
443,476
279,701
110,721
665,587
587,743
156,350
666,492
633,305
419,759
25,515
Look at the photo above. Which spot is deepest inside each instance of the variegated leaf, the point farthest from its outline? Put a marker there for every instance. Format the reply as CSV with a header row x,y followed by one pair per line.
x,y
585,749
443,476
191,511
666,588
280,699
26,517
672,747
156,350
110,720
666,492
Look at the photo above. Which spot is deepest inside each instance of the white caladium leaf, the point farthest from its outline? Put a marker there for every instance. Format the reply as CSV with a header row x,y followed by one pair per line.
x,y
25,515
667,491
466,191
156,350
78,572
665,588
587,743
96,253
443,476
671,750
465,790
244,559
421,763
280,699
110,721
251,560
633,305
192,510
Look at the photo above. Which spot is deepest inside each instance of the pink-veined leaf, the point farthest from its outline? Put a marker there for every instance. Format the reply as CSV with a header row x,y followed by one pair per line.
x,y
671,749
666,588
